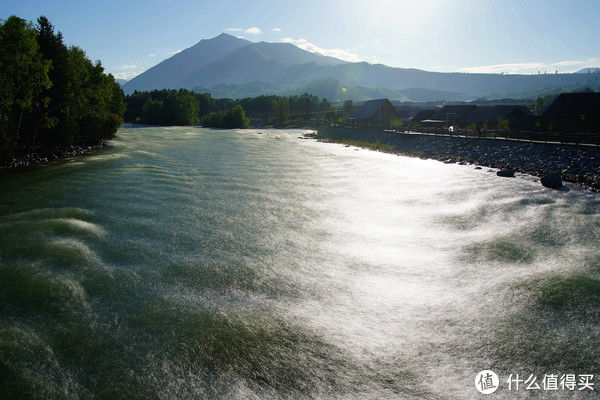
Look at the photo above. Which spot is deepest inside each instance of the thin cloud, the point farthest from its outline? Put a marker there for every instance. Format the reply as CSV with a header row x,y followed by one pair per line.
x,y
514,68
569,63
534,67
234,29
592,62
304,44
277,29
151,55
174,51
126,66
127,75
253,31
240,37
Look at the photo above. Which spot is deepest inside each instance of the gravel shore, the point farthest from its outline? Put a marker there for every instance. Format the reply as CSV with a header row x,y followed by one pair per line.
x,y
31,159
577,164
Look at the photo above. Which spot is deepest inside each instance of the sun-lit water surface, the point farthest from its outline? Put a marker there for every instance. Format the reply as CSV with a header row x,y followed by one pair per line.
x,y
192,263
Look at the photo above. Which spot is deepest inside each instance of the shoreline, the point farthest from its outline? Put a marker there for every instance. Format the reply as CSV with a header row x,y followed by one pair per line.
x,y
577,164
32,159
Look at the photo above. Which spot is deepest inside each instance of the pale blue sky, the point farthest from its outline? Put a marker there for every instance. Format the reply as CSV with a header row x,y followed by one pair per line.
x,y
513,36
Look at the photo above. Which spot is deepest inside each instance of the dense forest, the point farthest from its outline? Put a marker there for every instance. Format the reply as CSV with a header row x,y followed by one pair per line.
x,y
51,96
184,107
230,118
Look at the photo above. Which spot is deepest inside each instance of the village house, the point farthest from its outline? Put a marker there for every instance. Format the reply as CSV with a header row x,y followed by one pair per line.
x,y
574,112
465,115
373,114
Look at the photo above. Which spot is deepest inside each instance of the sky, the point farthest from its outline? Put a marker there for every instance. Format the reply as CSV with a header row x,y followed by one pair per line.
x,y
496,36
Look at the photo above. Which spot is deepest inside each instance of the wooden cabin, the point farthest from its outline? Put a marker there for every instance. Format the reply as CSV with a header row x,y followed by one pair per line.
x,y
373,114
574,112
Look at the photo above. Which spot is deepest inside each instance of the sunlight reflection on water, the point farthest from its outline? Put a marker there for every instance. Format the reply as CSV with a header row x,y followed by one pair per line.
x,y
183,262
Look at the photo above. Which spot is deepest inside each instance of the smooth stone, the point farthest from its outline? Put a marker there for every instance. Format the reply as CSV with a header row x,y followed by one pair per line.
x,y
553,180
506,173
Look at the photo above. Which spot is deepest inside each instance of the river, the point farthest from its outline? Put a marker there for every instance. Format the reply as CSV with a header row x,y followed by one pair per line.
x,y
181,262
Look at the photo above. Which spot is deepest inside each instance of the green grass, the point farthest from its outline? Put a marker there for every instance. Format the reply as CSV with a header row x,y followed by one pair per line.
x,y
377,146
360,143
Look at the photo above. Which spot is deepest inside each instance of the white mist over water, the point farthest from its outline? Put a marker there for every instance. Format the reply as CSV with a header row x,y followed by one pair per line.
x,y
192,263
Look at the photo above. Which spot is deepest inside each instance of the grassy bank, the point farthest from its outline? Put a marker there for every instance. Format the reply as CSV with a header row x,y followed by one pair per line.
x,y
377,146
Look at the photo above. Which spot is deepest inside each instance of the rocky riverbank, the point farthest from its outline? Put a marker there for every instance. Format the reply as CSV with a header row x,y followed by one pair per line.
x,y
577,164
31,159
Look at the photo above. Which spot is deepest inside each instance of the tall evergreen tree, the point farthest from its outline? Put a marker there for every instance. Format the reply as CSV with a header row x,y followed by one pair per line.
x,y
23,79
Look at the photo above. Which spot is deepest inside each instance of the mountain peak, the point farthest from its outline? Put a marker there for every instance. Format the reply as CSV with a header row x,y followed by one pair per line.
x,y
225,36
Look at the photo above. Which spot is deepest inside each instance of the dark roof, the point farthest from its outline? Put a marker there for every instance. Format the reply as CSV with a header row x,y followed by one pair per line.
x,y
519,116
572,105
493,113
459,111
369,108
423,115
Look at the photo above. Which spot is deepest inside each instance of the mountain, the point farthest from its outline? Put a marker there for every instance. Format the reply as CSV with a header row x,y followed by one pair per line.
x,y
588,71
336,92
224,59
121,81
239,91
172,72
233,67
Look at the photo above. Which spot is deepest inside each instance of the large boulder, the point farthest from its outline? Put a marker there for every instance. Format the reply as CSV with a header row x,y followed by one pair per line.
x,y
507,173
552,180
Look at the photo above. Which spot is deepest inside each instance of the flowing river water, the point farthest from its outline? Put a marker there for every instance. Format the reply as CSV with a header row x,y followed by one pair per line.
x,y
181,262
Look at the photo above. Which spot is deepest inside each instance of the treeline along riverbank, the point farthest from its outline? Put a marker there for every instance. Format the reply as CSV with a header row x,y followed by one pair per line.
x,y
185,107
578,164
53,100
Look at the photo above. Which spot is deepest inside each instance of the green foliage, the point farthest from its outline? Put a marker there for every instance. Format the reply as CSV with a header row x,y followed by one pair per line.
x,y
281,110
229,119
51,96
166,107
347,107
472,126
152,112
183,107
23,78
541,103
502,125
331,114
396,124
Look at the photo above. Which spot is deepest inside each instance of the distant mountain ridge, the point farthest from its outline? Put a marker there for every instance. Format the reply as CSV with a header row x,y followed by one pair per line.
x,y
589,70
228,66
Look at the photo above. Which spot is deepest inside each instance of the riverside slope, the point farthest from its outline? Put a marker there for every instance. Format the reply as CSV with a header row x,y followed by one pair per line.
x,y
578,164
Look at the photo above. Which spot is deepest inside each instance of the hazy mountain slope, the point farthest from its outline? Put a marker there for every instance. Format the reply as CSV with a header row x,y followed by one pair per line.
x,y
233,61
589,70
247,64
224,59
172,72
331,89
423,94
239,91
287,53
378,75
